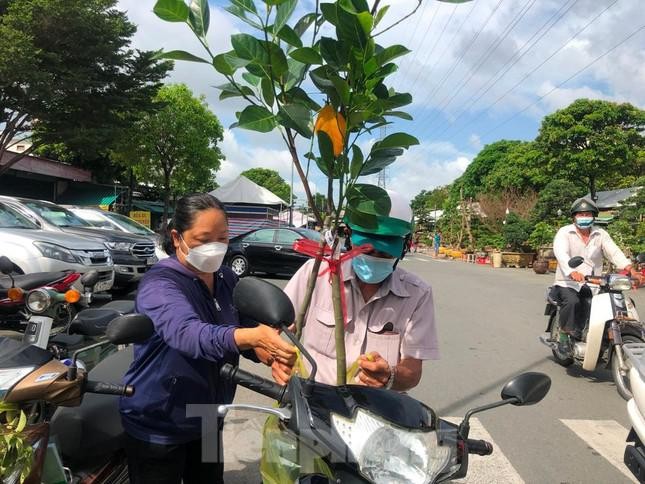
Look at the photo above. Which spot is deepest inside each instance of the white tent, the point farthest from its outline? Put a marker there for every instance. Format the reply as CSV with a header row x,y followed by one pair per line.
x,y
243,190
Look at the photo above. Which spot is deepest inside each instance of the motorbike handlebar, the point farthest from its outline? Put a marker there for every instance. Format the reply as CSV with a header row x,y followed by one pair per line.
x,y
479,447
252,382
109,388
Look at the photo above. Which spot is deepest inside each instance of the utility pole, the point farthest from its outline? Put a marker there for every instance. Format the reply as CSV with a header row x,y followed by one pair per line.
x,y
291,199
382,175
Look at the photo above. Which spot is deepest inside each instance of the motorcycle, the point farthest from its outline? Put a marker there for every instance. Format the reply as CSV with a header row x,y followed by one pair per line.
x,y
33,383
355,433
634,456
613,322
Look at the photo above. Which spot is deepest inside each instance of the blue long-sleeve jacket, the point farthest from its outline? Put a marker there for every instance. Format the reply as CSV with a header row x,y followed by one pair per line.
x,y
179,365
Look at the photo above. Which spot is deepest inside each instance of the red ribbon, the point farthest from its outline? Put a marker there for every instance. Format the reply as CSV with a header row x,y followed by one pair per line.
x,y
334,266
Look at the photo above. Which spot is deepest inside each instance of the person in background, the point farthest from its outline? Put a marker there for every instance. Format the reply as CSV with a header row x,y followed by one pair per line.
x,y
437,243
390,311
189,298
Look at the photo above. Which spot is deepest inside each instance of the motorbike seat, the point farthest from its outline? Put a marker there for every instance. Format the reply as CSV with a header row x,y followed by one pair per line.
x,y
31,281
122,306
93,321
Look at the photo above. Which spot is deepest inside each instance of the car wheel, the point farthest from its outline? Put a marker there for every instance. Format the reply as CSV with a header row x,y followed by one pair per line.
x,y
239,265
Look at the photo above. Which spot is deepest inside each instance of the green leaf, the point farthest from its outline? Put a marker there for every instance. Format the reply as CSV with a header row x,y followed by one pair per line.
x,y
248,47
369,199
251,79
357,162
267,91
329,13
241,14
179,55
285,10
399,114
381,13
171,10
350,29
199,17
228,63
380,159
277,60
320,77
367,22
298,117
385,71
329,49
306,55
360,219
326,148
396,140
296,74
274,2
304,23
396,101
257,118
229,90
342,88
22,423
298,94
245,5
289,36
390,53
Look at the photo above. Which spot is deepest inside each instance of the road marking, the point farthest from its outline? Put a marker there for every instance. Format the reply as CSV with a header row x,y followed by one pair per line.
x,y
491,468
607,437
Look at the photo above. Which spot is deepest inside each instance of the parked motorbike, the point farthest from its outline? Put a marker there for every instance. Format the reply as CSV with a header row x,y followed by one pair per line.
x,y
17,292
613,322
32,382
634,457
358,433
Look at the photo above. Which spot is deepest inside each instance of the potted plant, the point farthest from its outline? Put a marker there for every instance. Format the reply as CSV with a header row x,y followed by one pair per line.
x,y
541,236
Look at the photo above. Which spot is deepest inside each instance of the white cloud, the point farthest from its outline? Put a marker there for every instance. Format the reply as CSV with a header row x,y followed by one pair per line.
x,y
475,141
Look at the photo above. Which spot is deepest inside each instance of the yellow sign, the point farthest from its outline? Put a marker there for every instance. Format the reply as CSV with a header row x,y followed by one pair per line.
x,y
105,207
142,217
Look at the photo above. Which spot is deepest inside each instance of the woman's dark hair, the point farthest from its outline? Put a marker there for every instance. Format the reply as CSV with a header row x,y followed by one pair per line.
x,y
185,212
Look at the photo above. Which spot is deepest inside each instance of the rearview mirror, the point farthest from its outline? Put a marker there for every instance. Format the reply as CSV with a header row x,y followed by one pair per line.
x,y
263,302
527,388
129,328
6,266
90,278
576,261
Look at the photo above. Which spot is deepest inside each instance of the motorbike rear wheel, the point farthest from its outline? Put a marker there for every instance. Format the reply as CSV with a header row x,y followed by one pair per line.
x,y
622,378
560,358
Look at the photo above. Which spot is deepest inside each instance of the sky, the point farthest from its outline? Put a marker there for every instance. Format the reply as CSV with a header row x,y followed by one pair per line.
x,y
478,72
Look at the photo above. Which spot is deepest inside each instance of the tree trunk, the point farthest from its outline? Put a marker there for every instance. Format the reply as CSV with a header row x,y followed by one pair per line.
x,y
129,208
336,288
592,188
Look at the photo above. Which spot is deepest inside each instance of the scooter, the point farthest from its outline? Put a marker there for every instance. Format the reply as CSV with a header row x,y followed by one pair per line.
x,y
354,433
32,383
634,457
613,321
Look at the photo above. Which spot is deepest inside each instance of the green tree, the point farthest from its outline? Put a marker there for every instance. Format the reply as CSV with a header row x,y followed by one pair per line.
x,y
271,180
558,194
629,228
427,202
521,168
175,146
67,74
593,141
543,234
516,232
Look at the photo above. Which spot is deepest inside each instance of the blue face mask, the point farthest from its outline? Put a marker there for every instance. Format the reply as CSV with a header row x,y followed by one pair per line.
x,y
372,270
584,222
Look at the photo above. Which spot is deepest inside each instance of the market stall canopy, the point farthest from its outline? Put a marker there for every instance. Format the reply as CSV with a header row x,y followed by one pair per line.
x,y
244,191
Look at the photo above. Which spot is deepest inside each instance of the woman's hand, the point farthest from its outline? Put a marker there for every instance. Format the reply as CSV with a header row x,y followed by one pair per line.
x,y
375,370
281,372
267,340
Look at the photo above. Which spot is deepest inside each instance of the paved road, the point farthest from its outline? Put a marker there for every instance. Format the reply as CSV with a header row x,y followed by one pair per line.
x,y
489,321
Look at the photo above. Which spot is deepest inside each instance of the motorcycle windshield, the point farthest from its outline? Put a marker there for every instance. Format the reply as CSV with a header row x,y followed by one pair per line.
x,y
15,354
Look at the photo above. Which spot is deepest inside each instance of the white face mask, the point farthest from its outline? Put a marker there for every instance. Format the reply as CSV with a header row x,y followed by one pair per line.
x,y
206,257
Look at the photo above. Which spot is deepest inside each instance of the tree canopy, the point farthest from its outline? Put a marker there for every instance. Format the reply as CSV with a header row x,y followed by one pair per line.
x,y
593,141
174,147
67,74
271,180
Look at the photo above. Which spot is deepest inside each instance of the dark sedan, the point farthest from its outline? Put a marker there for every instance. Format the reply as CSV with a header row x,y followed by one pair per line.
x,y
268,250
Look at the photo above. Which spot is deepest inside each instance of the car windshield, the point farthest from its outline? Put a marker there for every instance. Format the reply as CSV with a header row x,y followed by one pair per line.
x,y
59,216
131,226
310,234
11,219
95,219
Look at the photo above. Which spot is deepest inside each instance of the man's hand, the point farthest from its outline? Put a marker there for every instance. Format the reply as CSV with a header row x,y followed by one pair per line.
x,y
637,279
577,276
375,370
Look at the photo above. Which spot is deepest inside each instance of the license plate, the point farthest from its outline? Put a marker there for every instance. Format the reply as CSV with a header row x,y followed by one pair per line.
x,y
103,286
151,260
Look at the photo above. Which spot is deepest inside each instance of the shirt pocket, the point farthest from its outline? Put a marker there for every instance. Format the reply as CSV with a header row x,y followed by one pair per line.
x,y
320,330
384,336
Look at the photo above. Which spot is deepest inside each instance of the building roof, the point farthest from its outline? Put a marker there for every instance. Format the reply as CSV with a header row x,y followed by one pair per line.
x,y
45,166
614,198
242,190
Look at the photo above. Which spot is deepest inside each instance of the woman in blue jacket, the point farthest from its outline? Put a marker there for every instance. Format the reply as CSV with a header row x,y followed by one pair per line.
x,y
176,372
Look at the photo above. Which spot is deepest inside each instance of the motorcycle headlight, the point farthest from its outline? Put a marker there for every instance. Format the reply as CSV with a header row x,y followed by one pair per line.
x,y
10,376
120,246
389,454
53,251
38,300
620,283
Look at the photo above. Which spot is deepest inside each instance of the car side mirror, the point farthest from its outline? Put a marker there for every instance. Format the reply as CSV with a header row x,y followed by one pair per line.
x,y
6,266
576,261
129,328
263,302
527,388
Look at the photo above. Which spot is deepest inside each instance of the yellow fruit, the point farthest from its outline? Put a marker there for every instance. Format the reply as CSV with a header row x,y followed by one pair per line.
x,y
333,125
